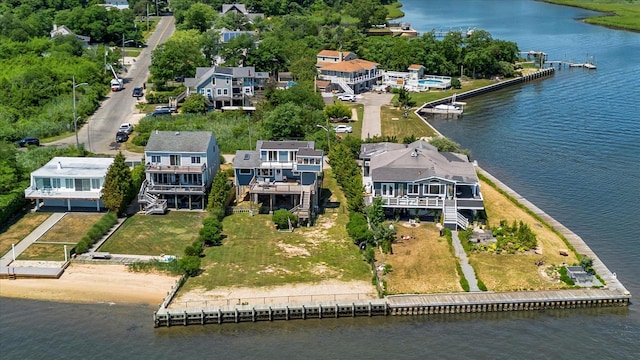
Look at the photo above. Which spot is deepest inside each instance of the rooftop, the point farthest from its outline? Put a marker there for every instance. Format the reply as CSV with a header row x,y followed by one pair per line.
x,y
84,167
350,65
180,141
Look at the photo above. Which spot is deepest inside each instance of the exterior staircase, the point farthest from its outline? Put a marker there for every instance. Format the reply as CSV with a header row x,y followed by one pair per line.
x,y
343,84
153,204
302,210
452,217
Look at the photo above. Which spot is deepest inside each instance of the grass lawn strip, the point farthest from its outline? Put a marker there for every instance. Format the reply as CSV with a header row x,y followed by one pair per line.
x,y
255,254
71,228
20,229
394,123
44,252
518,271
423,264
155,235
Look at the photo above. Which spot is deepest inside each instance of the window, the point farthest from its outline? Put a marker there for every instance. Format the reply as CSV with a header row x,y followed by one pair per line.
x,y
68,183
174,160
195,159
225,91
43,183
218,92
386,190
213,80
265,172
413,189
272,156
263,155
83,184
155,159
292,156
245,172
55,183
96,183
433,188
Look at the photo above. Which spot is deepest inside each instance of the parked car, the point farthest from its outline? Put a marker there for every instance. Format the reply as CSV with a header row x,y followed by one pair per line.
x,y
126,128
160,112
121,137
137,92
162,107
343,129
347,97
179,78
33,141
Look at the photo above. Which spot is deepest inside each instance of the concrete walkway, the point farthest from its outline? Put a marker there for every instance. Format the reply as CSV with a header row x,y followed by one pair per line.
x,y
467,270
31,238
371,124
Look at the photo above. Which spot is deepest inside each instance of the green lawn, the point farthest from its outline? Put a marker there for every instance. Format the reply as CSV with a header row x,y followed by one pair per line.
x,y
156,234
255,254
71,228
45,252
395,11
394,123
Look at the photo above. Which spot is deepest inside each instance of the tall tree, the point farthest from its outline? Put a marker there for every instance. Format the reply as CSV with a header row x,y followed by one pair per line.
x,y
117,187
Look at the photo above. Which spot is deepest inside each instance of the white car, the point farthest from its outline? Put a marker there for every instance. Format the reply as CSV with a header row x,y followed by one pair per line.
x,y
347,97
126,128
343,129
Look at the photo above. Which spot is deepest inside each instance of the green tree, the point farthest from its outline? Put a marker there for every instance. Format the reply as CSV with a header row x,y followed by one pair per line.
x,y
211,231
282,218
368,12
179,55
10,171
199,17
375,212
337,110
404,99
194,104
116,190
190,265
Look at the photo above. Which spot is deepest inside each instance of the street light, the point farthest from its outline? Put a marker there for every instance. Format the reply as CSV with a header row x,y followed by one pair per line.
x,y
75,115
328,139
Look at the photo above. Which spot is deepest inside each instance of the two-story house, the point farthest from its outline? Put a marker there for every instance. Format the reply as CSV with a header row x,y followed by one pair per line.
x,y
180,166
65,31
71,182
239,9
227,86
418,178
281,174
344,70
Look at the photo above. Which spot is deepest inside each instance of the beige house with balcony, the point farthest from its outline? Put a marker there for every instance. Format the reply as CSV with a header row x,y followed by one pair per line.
x,y
345,73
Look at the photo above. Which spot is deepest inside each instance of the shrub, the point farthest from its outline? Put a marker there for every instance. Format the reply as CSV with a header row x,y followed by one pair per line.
x,y
82,247
564,277
481,285
282,218
96,231
211,231
190,265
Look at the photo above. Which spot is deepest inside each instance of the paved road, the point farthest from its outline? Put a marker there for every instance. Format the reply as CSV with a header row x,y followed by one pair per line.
x,y
98,134
371,125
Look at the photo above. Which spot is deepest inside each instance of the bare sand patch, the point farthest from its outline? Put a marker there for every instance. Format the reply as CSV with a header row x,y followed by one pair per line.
x,y
308,293
86,283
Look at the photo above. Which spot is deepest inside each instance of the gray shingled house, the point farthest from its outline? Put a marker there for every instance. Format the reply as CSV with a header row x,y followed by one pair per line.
x,y
281,174
417,177
180,166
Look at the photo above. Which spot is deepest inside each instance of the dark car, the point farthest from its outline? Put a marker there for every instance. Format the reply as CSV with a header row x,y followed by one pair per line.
x,y
160,112
137,92
33,141
121,137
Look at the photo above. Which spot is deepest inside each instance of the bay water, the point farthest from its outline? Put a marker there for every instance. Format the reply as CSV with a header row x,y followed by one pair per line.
x,y
569,143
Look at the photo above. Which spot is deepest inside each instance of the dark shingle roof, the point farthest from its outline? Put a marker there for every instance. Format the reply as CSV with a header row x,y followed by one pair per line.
x,y
284,145
180,141
246,159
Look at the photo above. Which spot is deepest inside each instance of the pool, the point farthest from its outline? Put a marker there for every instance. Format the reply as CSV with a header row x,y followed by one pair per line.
x,y
430,82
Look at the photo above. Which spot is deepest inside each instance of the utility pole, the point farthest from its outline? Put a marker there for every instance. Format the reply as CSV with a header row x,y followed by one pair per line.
x,y
75,115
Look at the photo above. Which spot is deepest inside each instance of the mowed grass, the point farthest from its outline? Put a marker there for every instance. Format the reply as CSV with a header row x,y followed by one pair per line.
x,y
156,234
394,123
71,228
17,231
254,253
422,264
626,12
517,271
46,252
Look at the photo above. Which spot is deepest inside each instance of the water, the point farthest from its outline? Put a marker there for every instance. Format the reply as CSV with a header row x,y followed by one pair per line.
x,y
568,143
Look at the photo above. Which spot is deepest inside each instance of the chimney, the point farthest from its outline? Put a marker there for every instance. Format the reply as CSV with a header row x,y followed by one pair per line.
x,y
55,27
59,166
340,56
156,131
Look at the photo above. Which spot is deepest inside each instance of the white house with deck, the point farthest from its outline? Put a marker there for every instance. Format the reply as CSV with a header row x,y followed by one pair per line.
x,y
71,182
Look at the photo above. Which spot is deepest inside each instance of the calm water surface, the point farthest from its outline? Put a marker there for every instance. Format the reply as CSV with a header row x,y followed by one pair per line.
x,y
569,143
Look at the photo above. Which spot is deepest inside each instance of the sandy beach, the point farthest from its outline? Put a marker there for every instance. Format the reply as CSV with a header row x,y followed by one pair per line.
x,y
84,283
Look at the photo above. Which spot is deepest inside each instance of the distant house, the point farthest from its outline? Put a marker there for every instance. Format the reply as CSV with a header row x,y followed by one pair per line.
x,y
116,4
346,73
239,9
180,166
417,177
71,182
64,31
226,35
416,71
280,174
227,86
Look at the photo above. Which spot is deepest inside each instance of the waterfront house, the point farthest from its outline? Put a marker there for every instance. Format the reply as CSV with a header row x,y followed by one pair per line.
x,y
180,166
71,182
346,73
227,86
417,178
280,174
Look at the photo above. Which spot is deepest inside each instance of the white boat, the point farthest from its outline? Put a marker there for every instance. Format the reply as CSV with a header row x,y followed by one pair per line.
x,y
446,107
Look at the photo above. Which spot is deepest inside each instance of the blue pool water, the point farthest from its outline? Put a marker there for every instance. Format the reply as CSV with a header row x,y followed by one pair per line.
x,y
430,81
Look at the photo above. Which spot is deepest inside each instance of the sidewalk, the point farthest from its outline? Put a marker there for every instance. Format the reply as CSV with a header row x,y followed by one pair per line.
x,y
467,270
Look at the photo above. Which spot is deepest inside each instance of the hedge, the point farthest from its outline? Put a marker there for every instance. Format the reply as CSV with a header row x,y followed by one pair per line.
x,y
96,232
